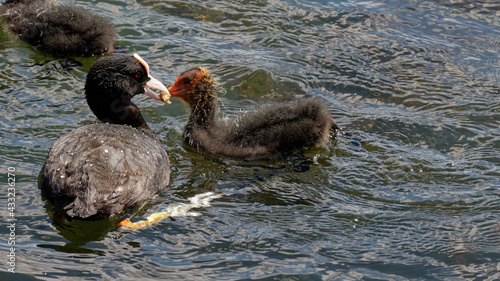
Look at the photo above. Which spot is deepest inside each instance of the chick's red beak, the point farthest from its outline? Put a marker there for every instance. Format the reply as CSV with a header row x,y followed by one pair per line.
x,y
175,89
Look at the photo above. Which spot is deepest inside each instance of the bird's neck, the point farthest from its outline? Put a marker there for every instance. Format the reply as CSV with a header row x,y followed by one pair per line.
x,y
203,111
120,111
132,116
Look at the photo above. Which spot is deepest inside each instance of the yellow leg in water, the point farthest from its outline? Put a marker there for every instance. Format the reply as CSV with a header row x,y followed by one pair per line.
x,y
141,224
198,201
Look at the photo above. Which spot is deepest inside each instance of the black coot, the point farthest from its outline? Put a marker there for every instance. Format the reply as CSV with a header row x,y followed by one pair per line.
x,y
98,170
272,129
57,29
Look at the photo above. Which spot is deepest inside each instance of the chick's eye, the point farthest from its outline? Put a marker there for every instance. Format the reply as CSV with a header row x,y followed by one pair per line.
x,y
186,81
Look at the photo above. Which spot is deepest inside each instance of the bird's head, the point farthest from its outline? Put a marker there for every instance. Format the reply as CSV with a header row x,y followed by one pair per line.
x,y
113,81
194,86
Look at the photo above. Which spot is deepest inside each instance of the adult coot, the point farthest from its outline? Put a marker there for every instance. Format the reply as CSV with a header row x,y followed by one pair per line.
x,y
98,170
57,29
275,128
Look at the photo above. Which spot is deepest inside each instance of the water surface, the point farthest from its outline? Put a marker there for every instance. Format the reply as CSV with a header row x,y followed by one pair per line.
x,y
409,190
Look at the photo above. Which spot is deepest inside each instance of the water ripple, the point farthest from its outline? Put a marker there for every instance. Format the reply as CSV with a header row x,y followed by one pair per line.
x,y
407,191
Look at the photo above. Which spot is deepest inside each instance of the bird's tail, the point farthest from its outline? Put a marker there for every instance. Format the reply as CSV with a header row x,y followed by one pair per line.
x,y
335,127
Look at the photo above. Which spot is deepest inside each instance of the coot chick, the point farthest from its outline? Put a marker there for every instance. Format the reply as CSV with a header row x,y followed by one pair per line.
x,y
98,170
272,129
57,29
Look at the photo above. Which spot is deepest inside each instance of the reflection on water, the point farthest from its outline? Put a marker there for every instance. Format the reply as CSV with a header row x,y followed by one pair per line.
x,y
407,191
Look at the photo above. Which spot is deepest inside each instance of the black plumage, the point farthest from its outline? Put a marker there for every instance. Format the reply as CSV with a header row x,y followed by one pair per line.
x,y
282,127
57,29
98,170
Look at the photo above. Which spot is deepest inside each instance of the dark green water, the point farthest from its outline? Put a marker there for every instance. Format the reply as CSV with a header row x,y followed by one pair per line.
x,y
409,192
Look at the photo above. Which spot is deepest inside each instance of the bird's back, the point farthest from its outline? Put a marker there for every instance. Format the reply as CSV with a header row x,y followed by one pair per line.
x,y
272,129
98,170
58,29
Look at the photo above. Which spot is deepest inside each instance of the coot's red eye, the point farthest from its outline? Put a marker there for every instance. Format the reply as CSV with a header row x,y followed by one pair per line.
x,y
138,75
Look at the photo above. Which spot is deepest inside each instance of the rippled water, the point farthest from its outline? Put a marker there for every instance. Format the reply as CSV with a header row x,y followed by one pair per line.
x,y
409,191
